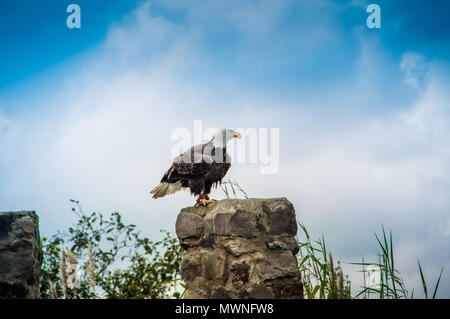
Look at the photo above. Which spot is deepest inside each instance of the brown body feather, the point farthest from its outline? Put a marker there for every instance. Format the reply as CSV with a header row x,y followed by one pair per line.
x,y
197,169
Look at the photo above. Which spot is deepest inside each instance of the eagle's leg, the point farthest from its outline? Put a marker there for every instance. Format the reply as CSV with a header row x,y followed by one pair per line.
x,y
207,200
203,200
208,186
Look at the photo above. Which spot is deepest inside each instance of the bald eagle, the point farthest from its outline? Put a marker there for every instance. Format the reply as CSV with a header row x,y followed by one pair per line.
x,y
199,168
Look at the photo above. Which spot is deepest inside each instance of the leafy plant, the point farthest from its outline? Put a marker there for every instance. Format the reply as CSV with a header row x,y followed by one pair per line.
x,y
321,279
114,260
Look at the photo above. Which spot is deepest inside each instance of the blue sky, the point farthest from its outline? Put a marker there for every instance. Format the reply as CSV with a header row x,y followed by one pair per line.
x,y
363,113
35,39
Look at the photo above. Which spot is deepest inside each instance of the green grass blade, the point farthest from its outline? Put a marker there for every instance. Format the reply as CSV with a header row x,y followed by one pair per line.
x,y
424,284
391,264
232,188
437,284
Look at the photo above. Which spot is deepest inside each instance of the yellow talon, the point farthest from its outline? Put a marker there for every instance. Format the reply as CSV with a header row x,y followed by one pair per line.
x,y
206,201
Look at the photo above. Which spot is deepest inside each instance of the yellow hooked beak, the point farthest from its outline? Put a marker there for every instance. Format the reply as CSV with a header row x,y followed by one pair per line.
x,y
237,135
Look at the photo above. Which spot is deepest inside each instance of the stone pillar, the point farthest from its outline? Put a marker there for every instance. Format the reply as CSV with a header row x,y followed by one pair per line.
x,y
20,255
240,248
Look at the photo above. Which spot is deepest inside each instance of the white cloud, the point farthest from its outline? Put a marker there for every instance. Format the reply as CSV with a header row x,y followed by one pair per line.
x,y
4,126
415,67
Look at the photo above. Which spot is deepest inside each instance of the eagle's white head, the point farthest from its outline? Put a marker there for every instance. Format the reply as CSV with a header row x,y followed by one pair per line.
x,y
222,137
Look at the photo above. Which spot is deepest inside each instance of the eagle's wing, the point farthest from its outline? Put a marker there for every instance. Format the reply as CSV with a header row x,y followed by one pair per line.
x,y
192,164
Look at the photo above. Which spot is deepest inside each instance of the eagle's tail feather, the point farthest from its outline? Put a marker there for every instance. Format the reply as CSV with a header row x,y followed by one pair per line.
x,y
160,190
165,188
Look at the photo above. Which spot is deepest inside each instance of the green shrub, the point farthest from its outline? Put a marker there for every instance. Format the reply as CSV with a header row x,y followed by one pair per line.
x,y
110,259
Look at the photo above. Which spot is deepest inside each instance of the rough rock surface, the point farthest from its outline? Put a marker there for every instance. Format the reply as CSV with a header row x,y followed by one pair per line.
x,y
20,255
240,248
